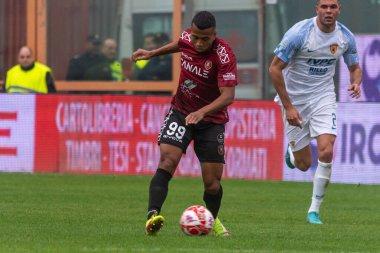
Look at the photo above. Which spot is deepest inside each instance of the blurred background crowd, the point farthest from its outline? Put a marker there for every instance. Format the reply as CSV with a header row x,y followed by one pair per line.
x,y
92,40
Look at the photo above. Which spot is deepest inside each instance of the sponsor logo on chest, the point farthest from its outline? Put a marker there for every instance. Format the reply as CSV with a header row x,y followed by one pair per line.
x,y
199,70
320,67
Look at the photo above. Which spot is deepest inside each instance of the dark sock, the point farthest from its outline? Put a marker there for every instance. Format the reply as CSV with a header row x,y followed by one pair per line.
x,y
213,202
158,190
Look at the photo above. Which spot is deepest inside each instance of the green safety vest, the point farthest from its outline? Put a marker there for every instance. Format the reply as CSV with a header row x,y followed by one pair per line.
x,y
117,71
27,81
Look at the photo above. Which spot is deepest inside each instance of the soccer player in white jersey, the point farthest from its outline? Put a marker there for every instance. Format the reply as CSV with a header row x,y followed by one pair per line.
x,y
302,73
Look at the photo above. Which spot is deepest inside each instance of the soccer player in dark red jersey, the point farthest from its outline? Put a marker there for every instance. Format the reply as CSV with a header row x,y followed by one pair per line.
x,y
198,112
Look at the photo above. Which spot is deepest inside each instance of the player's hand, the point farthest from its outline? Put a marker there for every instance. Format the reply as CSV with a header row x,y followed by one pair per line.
x,y
141,54
194,117
293,117
355,90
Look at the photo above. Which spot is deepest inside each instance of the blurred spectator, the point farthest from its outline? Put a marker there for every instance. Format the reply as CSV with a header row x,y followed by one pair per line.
x,y
109,50
150,43
160,68
157,68
29,76
127,66
91,65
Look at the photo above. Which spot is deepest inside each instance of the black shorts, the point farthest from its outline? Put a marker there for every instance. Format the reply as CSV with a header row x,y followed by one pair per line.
x,y
208,137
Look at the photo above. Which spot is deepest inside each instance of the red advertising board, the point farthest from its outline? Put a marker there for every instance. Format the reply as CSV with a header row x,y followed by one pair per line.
x,y
118,135
46,134
253,141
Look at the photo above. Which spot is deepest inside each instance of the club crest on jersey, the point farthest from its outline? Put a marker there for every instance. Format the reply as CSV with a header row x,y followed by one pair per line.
x,y
208,65
333,48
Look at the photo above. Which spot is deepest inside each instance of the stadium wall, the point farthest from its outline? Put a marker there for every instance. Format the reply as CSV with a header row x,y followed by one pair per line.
x,y
118,135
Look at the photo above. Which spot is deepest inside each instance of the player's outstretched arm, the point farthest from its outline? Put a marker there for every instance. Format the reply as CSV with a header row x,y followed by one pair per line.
x,y
141,54
356,77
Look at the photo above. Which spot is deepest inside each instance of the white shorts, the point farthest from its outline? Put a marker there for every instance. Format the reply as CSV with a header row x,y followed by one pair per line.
x,y
317,118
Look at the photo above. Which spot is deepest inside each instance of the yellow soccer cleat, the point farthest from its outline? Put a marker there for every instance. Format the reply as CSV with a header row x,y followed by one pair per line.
x,y
154,224
219,229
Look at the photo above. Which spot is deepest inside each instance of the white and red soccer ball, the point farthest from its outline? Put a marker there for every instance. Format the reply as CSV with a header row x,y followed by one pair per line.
x,y
196,220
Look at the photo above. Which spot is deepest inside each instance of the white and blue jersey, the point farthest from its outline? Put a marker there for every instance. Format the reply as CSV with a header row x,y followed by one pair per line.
x,y
311,56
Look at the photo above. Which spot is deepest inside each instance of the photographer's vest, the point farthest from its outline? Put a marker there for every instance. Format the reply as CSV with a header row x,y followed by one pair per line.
x,y
27,81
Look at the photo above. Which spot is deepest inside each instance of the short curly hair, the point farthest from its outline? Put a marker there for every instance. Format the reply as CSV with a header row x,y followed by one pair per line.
x,y
320,0
204,20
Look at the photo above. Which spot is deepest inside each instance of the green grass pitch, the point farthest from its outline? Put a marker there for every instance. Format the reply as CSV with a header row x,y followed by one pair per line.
x,y
106,213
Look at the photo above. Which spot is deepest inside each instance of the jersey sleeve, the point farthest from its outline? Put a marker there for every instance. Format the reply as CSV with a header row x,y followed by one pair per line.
x,y
351,56
184,39
291,42
227,72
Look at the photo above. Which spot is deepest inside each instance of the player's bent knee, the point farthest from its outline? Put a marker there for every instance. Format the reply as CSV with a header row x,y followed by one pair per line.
x,y
303,165
212,187
168,162
325,156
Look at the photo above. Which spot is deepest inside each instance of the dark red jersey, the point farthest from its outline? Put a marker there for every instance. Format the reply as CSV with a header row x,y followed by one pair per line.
x,y
201,76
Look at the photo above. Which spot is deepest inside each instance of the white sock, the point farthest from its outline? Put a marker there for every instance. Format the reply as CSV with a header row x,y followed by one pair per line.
x,y
321,180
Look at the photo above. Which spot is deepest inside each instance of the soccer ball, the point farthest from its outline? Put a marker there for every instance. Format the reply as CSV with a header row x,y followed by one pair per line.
x,y
196,220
